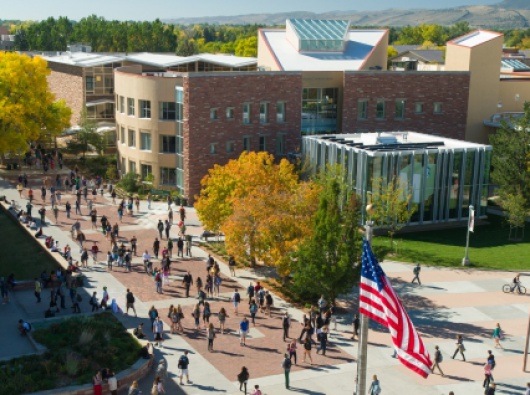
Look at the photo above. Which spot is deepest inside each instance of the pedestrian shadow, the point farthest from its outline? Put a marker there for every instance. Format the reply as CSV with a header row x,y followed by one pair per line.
x,y
266,349
228,353
458,378
305,391
510,389
206,388
514,351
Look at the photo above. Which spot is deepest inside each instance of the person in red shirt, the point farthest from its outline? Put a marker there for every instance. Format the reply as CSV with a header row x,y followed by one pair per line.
x,y
95,251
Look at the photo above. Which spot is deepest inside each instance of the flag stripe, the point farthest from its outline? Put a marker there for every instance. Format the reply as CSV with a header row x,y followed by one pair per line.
x,y
378,300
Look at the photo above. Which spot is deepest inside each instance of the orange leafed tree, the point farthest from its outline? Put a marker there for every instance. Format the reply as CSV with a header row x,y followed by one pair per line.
x,y
261,206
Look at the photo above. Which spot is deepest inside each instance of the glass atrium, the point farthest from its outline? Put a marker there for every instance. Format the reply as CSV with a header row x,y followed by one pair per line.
x,y
319,35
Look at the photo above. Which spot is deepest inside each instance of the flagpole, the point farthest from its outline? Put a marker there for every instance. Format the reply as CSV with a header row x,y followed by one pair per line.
x,y
465,261
362,352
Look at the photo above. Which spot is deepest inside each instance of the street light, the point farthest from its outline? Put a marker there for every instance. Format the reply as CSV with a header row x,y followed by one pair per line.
x,y
470,226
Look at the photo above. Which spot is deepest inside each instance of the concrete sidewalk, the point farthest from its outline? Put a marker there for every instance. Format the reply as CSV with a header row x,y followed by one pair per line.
x,y
449,302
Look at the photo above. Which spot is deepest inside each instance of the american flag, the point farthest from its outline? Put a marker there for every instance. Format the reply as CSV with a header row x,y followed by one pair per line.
x,y
378,301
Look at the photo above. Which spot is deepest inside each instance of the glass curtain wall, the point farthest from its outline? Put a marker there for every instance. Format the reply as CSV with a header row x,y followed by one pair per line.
x,y
443,183
319,110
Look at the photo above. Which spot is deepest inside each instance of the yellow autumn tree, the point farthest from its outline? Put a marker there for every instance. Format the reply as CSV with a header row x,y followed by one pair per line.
x,y
261,206
27,108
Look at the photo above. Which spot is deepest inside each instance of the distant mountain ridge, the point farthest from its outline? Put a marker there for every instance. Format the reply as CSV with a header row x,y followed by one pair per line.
x,y
503,15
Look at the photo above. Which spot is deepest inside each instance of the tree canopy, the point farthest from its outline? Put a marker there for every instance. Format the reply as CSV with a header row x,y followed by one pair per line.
x,y
28,110
261,207
326,262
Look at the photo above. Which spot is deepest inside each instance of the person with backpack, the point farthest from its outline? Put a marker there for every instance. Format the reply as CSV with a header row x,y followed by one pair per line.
x,y
243,331
286,365
487,375
232,266
187,280
210,335
416,272
375,387
438,358
491,361
158,281
269,302
129,297
94,301
460,347
236,299
256,391
243,377
182,365
253,308
307,350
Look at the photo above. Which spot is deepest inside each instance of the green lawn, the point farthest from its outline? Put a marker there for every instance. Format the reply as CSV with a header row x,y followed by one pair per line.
x,y
20,253
489,247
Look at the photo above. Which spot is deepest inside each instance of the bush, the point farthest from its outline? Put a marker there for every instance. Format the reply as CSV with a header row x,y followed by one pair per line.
x,y
130,182
77,347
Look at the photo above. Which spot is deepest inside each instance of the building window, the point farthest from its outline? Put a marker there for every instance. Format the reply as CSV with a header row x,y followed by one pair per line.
x,y
319,110
246,143
262,143
280,144
145,108
146,170
230,113
213,113
362,109
418,108
246,113
438,108
168,144
280,111
229,147
399,109
167,111
380,109
213,148
130,106
122,134
132,138
145,140
122,104
168,176
264,112
89,84
132,167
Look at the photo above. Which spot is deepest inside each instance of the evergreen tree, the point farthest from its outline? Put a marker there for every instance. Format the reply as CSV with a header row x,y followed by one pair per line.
x,y
326,262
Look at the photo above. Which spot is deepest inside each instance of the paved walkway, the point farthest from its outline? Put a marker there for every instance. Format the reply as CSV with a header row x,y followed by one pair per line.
x,y
449,302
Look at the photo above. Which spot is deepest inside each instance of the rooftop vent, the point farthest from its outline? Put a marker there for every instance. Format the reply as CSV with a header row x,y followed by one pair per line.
x,y
387,140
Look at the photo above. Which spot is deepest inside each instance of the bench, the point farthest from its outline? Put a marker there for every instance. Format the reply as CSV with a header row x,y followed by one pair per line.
x,y
160,192
206,234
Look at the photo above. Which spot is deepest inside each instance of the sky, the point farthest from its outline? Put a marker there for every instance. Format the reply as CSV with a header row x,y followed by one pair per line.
x,y
167,9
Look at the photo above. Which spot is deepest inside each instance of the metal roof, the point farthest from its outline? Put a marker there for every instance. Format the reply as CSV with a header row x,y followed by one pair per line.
x,y
310,29
83,59
475,38
425,55
358,46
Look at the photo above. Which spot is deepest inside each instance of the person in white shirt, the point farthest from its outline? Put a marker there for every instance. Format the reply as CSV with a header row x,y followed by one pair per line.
x,y
147,260
113,384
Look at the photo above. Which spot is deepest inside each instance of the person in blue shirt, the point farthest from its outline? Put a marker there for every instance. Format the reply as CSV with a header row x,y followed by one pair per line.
x,y
243,330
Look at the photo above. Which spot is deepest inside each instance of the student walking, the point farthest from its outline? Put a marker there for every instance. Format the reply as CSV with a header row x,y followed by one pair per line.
x,y
182,365
487,375
416,272
438,358
497,334
243,330
286,365
158,331
130,302
210,334
355,327
307,350
236,299
375,387
291,348
286,324
460,347
243,377
222,316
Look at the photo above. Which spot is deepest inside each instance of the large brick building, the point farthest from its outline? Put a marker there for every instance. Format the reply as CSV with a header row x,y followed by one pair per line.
x,y
178,117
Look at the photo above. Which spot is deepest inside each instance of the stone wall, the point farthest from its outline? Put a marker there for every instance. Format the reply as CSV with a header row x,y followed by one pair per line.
x,y
204,92
449,88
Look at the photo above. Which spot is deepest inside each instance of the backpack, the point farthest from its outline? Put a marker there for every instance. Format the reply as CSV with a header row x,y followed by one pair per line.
x,y
29,328
287,363
254,308
157,277
439,357
135,332
416,270
376,390
237,297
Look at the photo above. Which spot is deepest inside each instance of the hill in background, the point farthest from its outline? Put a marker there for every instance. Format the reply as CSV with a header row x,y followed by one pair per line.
x,y
505,15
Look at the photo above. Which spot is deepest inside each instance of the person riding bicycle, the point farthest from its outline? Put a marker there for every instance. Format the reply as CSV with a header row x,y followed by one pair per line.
x,y
516,283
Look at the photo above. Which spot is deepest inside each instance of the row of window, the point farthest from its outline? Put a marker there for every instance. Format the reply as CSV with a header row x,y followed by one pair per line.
x,y
167,144
168,175
263,145
399,109
264,116
167,111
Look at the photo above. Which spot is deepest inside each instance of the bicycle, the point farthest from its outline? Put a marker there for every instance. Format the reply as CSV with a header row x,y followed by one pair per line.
x,y
507,288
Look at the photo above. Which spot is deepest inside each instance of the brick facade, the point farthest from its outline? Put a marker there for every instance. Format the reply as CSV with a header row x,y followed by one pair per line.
x,y
203,92
66,82
449,88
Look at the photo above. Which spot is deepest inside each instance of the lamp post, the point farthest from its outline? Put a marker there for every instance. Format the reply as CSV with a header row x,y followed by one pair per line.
x,y
362,352
465,261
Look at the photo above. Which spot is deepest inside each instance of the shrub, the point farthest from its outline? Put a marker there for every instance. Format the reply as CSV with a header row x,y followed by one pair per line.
x,y
130,182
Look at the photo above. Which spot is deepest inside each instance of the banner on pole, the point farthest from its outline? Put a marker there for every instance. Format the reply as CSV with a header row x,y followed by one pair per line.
x,y
471,220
